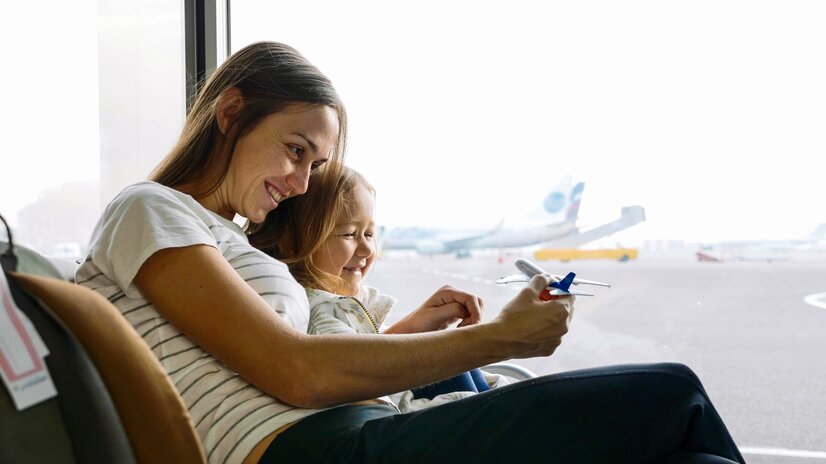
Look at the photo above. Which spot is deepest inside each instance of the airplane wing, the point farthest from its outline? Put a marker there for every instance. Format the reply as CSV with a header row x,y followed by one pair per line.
x,y
465,242
513,278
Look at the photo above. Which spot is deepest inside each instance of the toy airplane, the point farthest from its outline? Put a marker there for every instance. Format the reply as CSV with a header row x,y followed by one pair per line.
x,y
560,286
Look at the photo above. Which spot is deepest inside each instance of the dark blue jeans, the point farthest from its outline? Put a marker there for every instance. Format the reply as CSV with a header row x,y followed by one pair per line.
x,y
656,413
470,381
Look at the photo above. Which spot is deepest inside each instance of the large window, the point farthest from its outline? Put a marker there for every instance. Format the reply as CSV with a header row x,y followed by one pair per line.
x,y
94,97
50,169
708,114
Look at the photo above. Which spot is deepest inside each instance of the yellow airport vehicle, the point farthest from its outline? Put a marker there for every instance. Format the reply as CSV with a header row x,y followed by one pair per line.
x,y
569,254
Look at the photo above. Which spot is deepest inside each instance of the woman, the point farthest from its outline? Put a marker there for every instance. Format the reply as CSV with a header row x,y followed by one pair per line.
x,y
228,322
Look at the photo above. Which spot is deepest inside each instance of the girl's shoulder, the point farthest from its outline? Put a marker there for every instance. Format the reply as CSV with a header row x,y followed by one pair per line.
x,y
376,300
325,302
316,296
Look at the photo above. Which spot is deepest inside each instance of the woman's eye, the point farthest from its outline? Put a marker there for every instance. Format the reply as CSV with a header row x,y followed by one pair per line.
x,y
315,165
349,234
296,150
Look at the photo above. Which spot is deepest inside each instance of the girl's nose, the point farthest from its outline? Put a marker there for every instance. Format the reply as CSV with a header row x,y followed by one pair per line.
x,y
365,248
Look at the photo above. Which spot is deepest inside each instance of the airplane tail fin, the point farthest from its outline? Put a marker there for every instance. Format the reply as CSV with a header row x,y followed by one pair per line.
x,y
818,233
559,206
561,203
557,199
574,200
564,284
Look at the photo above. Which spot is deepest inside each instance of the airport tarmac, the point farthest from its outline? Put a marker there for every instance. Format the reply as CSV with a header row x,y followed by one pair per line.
x,y
754,332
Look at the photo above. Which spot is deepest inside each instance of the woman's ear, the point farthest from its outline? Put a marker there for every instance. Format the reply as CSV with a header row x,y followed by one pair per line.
x,y
230,105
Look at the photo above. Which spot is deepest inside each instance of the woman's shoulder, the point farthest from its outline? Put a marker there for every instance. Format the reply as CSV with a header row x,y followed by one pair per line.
x,y
151,200
149,192
151,212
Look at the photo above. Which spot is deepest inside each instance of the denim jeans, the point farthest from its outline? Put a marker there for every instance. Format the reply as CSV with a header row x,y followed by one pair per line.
x,y
472,381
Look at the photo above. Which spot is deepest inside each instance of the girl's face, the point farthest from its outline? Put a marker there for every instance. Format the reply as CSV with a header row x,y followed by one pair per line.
x,y
349,251
273,161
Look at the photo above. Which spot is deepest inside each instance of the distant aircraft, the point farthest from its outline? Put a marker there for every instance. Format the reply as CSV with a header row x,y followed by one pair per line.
x,y
760,250
555,219
560,285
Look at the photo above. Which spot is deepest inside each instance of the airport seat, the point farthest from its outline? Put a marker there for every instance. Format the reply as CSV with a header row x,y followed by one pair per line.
x,y
115,403
513,371
32,262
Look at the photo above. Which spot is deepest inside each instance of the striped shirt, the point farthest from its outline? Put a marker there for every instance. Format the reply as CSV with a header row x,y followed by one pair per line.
x,y
229,414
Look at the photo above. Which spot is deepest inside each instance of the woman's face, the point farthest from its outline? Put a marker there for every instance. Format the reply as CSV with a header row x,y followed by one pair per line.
x,y
349,251
273,161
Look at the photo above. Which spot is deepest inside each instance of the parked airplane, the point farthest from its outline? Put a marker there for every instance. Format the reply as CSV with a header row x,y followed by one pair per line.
x,y
761,250
555,219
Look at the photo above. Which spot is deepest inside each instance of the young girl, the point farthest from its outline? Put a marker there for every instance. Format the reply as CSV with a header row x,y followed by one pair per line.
x,y
339,301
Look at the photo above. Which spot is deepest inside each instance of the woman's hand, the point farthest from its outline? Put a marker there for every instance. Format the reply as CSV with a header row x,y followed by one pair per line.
x,y
442,309
535,323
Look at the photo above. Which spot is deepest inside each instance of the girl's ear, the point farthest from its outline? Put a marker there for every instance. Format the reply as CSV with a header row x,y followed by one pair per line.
x,y
229,108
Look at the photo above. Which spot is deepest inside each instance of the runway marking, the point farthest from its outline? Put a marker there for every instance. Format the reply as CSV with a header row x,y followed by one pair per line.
x,y
814,300
456,275
783,452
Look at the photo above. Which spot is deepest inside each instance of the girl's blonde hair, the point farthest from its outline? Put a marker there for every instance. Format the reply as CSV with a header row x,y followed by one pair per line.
x,y
298,227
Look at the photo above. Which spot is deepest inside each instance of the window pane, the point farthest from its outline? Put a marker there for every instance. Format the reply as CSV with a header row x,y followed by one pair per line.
x,y
700,112
708,114
49,175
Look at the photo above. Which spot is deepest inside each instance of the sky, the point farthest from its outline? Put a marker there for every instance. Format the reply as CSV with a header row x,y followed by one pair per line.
x,y
709,114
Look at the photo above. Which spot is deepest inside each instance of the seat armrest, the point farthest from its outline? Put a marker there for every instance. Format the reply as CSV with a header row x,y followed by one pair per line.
x,y
511,370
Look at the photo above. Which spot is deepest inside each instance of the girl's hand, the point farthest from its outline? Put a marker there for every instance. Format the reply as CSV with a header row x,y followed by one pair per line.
x,y
442,309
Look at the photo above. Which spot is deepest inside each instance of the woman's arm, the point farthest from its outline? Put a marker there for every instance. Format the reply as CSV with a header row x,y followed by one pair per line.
x,y
198,291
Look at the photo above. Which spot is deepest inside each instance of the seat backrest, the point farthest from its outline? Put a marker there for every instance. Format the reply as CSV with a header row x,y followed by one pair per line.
x,y
146,404
79,424
32,262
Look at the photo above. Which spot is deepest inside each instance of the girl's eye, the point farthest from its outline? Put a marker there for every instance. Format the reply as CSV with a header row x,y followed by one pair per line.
x,y
349,234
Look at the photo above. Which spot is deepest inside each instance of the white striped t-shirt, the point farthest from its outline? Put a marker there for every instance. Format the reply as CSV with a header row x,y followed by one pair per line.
x,y
230,415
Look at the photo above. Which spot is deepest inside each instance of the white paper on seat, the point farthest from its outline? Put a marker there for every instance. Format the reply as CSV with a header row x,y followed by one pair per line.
x,y
22,367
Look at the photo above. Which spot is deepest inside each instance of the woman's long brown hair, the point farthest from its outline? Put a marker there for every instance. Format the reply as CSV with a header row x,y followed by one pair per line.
x,y
270,76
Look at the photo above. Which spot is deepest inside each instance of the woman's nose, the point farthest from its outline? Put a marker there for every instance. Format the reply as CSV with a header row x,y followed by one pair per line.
x,y
299,180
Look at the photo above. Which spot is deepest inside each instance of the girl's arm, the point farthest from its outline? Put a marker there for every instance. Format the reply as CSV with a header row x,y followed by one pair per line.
x,y
198,291
443,308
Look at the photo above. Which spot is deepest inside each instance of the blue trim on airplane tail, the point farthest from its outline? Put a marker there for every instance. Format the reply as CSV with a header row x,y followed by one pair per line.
x,y
565,283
